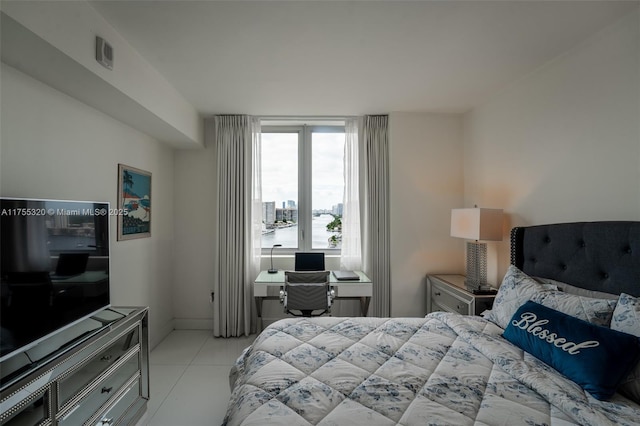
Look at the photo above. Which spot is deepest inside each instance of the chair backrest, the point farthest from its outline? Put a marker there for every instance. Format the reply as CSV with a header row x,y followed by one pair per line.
x,y
29,289
307,292
309,261
70,264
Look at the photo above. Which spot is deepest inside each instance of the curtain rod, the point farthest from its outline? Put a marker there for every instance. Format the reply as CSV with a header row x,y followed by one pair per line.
x,y
305,117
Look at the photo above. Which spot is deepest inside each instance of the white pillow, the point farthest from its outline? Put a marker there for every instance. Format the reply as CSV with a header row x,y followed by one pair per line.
x,y
516,289
595,311
626,318
571,289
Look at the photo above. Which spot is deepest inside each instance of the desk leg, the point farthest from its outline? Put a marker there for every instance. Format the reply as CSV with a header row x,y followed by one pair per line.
x,y
258,306
364,305
258,300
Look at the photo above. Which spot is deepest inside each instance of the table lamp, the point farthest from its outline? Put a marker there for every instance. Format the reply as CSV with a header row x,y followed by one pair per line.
x,y
477,224
272,270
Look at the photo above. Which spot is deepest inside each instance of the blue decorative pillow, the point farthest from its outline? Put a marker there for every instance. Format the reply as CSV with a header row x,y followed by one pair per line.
x,y
596,358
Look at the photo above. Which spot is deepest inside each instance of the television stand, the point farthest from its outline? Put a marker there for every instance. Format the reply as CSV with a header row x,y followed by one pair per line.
x,y
99,376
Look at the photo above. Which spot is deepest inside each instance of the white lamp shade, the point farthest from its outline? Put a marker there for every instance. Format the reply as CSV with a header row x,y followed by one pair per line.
x,y
477,224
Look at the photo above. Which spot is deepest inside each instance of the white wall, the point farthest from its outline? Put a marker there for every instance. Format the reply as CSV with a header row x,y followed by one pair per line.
x,y
133,91
195,215
53,146
563,144
426,182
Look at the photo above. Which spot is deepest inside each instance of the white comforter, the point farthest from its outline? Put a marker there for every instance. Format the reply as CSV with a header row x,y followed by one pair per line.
x,y
444,369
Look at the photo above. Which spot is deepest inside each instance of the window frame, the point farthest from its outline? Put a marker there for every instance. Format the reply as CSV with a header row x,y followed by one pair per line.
x,y
305,188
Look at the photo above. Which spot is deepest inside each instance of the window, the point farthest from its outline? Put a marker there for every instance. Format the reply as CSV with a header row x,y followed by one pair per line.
x,y
302,187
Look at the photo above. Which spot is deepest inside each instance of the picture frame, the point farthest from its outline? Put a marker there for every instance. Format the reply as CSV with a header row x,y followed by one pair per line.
x,y
134,203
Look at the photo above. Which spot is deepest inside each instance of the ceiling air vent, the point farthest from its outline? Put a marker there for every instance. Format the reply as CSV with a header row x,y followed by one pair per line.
x,y
104,53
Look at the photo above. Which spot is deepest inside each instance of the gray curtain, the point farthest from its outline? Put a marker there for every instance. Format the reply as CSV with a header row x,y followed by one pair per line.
x,y
375,214
236,139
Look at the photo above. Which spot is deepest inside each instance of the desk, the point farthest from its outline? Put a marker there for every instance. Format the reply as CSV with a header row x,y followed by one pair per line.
x,y
92,283
267,286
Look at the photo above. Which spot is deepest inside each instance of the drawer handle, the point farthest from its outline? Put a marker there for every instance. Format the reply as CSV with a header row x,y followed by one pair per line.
x,y
106,389
437,293
106,422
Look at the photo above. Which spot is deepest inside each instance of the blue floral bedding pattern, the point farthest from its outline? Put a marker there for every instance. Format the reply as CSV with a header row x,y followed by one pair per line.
x,y
445,369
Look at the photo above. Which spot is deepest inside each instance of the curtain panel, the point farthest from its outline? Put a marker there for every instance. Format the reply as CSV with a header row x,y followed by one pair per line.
x,y
237,239
351,252
375,215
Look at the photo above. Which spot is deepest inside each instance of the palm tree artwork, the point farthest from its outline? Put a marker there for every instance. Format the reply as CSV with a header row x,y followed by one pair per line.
x,y
135,202
127,182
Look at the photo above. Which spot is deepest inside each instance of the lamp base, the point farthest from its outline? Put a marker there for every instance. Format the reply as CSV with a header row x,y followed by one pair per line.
x,y
272,271
476,266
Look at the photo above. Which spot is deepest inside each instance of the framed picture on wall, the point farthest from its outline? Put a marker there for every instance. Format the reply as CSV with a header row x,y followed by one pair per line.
x,y
134,201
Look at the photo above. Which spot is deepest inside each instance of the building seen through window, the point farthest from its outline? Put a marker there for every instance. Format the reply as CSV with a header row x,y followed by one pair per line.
x,y
302,187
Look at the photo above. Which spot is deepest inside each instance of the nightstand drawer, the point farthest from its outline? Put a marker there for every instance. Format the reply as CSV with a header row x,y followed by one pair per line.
x,y
446,301
449,293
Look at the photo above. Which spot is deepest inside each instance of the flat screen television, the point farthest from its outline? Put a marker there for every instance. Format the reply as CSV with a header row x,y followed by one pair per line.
x,y
54,267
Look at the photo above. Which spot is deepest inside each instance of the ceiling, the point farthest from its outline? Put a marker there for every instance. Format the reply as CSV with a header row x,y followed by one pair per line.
x,y
360,57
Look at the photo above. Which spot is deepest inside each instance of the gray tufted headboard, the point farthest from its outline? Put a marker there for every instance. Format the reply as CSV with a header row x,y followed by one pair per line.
x,y
602,256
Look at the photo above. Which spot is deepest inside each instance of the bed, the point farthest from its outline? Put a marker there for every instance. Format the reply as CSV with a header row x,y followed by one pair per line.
x,y
448,369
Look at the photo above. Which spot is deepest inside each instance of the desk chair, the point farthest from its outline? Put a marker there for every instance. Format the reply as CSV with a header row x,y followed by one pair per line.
x,y
306,293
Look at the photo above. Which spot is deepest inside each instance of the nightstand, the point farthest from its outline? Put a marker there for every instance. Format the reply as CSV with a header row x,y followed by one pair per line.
x,y
448,293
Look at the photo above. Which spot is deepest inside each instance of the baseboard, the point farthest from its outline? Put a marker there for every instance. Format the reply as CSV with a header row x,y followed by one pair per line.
x,y
164,331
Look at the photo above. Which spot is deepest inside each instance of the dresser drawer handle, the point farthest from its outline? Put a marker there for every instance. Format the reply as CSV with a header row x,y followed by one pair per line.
x,y
437,293
106,389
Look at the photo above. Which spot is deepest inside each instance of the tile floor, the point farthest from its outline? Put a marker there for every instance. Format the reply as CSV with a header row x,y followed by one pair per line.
x,y
189,378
